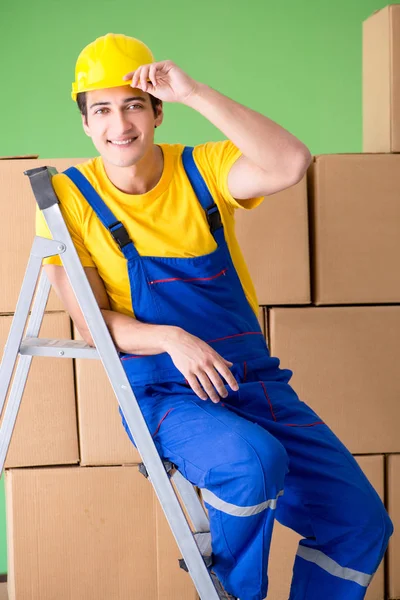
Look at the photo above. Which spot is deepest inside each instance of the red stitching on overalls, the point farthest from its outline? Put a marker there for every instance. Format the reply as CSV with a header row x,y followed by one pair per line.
x,y
288,424
244,371
191,279
269,401
307,425
235,335
159,425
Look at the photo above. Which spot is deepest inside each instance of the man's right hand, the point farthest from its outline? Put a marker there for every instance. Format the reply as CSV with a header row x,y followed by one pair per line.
x,y
203,368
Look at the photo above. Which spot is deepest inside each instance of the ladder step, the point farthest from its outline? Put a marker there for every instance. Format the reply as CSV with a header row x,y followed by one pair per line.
x,y
203,540
32,346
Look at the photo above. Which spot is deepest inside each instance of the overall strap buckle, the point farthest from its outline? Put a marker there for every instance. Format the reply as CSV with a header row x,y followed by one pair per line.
x,y
213,218
120,234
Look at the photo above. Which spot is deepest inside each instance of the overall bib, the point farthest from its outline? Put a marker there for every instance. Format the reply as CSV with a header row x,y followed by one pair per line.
x,y
259,454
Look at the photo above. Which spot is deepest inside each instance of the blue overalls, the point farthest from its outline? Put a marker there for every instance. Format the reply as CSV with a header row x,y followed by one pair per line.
x,y
260,453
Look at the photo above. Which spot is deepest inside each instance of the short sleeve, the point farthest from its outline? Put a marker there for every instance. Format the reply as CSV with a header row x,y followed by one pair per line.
x,y
73,227
220,157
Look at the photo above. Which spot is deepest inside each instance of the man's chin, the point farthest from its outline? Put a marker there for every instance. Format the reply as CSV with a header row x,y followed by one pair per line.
x,y
122,157
122,161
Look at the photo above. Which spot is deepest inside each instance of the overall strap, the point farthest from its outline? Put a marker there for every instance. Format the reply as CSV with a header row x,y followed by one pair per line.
x,y
115,227
203,194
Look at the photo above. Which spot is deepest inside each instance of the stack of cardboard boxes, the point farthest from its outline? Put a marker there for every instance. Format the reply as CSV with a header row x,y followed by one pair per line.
x,y
339,352
82,523
381,98
343,346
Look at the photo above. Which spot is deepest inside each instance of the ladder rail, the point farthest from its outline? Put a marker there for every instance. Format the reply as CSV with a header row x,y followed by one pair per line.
x,y
12,407
192,502
10,357
24,302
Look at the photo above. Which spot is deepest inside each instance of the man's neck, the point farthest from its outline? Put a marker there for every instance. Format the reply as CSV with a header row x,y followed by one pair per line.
x,y
140,178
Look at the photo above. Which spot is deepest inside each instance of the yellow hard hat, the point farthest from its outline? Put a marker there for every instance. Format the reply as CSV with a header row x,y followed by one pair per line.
x,y
104,62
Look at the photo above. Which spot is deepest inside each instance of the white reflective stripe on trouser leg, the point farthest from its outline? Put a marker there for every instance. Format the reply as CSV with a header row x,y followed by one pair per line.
x,y
233,509
328,564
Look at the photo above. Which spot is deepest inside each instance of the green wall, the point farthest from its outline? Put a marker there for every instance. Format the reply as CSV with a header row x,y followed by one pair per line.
x,y
298,61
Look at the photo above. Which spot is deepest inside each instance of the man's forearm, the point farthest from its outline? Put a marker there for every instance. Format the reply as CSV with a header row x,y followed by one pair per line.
x,y
134,337
261,140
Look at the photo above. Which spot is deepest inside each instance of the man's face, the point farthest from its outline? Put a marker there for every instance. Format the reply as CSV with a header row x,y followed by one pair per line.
x,y
121,124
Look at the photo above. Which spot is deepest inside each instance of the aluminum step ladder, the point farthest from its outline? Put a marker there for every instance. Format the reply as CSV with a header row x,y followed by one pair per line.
x,y
195,546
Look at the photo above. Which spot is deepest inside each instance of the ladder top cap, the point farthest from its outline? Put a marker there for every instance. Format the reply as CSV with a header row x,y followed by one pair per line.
x,y
40,180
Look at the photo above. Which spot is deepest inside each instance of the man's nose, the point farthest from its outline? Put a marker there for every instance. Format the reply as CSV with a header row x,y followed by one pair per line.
x,y
121,123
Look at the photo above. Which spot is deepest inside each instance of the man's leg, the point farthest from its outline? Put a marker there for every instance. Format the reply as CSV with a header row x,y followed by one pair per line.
x,y
327,497
240,469
348,528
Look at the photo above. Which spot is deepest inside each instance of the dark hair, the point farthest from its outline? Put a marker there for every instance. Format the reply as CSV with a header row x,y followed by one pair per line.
x,y
82,104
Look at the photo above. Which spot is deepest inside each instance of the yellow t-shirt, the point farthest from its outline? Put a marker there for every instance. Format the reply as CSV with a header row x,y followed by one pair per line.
x,y
166,221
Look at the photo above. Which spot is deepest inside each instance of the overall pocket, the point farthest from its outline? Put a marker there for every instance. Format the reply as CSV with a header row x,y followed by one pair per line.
x,y
285,406
264,379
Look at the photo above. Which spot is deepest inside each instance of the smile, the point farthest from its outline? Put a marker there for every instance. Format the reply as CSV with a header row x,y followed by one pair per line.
x,y
122,143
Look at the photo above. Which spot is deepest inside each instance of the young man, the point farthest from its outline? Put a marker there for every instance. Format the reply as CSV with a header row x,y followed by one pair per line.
x,y
154,229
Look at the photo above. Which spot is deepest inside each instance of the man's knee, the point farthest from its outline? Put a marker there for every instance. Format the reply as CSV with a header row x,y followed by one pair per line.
x,y
274,460
383,526
374,529
258,470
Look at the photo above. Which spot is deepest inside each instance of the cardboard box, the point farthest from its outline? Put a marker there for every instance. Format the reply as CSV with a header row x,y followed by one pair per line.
x,y
381,81
89,534
173,582
262,318
18,226
354,228
102,437
274,242
285,542
46,429
345,365
394,512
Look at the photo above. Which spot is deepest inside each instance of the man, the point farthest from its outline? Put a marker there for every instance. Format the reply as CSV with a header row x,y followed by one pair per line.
x,y
154,229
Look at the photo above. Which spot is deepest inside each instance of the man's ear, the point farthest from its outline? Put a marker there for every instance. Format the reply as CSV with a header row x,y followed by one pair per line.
x,y
159,115
85,126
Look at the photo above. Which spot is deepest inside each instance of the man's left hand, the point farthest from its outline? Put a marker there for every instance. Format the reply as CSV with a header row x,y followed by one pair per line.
x,y
164,80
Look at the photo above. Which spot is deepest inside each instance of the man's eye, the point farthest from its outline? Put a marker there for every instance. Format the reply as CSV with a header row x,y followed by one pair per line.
x,y
135,106
100,111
